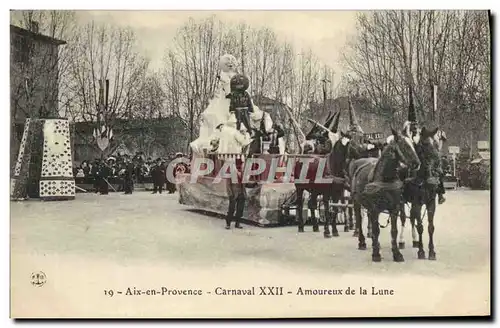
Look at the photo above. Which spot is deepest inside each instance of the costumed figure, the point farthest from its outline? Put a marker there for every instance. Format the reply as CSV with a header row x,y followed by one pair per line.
x,y
276,139
222,133
216,112
240,101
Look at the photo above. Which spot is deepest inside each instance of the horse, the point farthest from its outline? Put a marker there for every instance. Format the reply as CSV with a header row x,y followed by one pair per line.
x,y
422,190
358,148
377,187
332,146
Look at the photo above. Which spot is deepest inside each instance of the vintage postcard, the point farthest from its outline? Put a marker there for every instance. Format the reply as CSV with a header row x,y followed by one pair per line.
x,y
250,164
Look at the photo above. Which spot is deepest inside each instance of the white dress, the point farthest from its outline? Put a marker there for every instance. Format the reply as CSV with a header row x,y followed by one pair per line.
x,y
216,113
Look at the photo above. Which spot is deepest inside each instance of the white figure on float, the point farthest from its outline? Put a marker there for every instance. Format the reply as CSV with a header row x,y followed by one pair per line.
x,y
217,124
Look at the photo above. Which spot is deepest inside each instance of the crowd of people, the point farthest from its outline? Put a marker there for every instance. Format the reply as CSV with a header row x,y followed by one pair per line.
x,y
125,171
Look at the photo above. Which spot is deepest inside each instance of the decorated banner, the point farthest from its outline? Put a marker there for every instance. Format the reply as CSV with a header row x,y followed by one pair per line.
x,y
263,204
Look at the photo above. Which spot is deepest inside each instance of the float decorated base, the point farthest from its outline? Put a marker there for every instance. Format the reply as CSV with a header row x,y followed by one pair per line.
x,y
262,207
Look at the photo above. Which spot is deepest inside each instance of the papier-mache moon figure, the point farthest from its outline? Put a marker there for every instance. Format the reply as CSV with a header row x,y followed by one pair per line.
x,y
215,119
218,124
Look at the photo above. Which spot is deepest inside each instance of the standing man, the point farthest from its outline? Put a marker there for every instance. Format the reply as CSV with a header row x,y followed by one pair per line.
x,y
104,173
158,173
129,177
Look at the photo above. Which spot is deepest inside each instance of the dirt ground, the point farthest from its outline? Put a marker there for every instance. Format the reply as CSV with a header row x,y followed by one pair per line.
x,y
95,244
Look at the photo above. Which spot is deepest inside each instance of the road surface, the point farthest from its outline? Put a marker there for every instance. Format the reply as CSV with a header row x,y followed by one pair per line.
x,y
113,242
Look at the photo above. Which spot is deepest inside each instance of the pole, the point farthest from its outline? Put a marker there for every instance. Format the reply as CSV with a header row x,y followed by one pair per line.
x,y
191,123
454,164
325,81
434,113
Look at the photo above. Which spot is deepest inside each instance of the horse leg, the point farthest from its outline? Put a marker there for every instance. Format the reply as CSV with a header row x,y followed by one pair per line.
x,y
358,219
416,210
369,229
312,204
345,213
350,214
413,229
431,210
373,217
359,226
300,207
328,216
396,254
401,243
333,218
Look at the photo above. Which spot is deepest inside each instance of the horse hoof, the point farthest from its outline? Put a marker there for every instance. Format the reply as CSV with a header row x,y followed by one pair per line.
x,y
316,229
415,244
327,235
432,256
355,234
346,229
376,258
421,255
369,235
401,245
362,246
398,257
335,234
301,229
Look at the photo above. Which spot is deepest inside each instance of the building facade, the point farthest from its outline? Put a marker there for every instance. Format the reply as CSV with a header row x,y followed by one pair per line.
x,y
34,72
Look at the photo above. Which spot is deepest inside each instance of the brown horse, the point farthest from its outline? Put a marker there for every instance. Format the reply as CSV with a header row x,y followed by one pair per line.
x,y
324,152
422,190
377,187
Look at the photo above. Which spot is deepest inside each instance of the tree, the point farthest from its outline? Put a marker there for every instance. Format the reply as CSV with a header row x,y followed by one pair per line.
x,y
396,50
274,69
105,53
59,25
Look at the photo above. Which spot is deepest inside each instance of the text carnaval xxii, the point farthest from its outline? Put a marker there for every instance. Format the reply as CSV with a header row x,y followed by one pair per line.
x,y
251,291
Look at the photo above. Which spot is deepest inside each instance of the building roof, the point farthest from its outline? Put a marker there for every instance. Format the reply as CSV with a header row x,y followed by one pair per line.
x,y
262,100
36,36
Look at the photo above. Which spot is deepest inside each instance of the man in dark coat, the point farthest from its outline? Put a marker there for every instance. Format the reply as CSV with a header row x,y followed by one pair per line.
x,y
158,173
104,173
94,173
128,177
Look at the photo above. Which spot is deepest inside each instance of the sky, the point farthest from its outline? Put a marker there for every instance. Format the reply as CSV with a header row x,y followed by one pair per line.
x,y
325,32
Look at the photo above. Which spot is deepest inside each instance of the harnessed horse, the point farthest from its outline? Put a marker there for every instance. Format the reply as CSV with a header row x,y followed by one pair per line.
x,y
323,145
422,190
376,186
